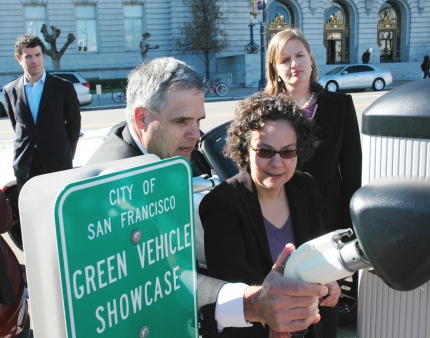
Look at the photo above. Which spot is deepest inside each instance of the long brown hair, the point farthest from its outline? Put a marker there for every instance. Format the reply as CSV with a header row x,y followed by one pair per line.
x,y
274,51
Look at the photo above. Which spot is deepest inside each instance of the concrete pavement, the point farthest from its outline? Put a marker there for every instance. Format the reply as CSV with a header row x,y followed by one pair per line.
x,y
104,101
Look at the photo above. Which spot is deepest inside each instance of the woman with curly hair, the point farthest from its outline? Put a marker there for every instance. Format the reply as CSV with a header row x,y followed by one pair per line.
x,y
250,218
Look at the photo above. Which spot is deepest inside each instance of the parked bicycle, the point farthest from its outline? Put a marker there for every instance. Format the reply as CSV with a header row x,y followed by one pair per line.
x,y
221,89
120,95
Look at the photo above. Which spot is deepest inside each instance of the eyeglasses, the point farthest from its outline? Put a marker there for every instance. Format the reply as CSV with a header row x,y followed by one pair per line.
x,y
266,153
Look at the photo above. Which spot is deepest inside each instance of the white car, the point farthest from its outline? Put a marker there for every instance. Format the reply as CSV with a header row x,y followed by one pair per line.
x,y
356,77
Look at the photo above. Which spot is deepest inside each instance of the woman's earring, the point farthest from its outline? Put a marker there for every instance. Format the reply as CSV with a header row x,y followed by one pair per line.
x,y
312,66
279,78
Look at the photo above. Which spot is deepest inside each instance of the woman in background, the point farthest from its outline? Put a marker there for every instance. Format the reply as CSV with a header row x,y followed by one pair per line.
x,y
336,162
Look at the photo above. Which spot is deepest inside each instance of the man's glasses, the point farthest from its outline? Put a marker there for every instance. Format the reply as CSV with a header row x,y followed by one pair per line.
x,y
266,153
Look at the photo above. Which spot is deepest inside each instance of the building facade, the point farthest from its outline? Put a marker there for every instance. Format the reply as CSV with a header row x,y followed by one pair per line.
x,y
109,32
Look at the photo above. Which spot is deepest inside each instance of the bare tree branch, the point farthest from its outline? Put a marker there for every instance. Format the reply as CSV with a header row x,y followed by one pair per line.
x,y
52,40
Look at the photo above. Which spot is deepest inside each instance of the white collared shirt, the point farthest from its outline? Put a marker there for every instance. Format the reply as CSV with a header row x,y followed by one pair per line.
x,y
136,140
34,94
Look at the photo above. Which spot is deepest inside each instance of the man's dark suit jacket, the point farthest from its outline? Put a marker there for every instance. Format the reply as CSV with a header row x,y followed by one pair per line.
x,y
120,145
57,128
336,163
236,245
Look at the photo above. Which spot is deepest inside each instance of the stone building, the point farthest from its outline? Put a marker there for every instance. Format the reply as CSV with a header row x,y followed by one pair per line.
x,y
108,33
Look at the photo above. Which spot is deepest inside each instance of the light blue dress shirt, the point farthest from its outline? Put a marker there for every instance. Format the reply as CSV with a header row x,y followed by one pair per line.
x,y
34,94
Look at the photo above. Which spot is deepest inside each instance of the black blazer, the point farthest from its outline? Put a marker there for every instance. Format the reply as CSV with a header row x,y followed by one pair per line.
x,y
57,128
120,145
236,245
336,163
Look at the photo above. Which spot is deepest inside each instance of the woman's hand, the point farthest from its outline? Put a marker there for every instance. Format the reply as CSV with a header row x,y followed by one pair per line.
x,y
333,295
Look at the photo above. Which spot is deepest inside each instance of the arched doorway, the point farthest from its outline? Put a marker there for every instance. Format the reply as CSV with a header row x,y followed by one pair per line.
x,y
279,17
389,32
337,34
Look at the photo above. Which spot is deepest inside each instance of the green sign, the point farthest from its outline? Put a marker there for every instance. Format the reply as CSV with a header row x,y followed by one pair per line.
x,y
127,253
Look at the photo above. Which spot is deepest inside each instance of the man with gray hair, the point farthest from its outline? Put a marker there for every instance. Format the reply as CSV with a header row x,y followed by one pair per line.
x,y
165,104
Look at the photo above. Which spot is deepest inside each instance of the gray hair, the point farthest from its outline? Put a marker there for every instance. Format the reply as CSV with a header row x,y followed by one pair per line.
x,y
149,83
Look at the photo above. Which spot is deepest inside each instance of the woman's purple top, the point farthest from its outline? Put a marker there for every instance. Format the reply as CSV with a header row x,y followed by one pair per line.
x,y
309,110
278,238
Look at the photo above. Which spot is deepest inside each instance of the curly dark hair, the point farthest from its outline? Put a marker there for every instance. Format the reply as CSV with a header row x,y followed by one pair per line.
x,y
252,112
28,41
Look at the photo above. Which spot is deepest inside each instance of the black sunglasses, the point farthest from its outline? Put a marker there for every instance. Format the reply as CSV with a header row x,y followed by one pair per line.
x,y
266,153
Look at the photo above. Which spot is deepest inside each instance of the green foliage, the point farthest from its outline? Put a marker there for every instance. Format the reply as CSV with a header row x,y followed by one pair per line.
x,y
106,83
202,34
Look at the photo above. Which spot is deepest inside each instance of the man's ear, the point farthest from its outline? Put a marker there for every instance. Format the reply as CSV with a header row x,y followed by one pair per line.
x,y
140,116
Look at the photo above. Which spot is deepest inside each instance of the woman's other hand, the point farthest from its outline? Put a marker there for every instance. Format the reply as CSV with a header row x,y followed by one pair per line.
x,y
333,295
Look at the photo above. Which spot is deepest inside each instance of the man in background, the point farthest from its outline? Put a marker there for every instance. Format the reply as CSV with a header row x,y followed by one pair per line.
x,y
366,57
44,112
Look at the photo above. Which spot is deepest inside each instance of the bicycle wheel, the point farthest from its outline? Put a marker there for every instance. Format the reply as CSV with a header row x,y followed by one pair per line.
x,y
118,96
123,97
221,89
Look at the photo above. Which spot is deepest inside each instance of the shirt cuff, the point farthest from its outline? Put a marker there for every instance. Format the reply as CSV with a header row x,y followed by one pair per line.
x,y
229,306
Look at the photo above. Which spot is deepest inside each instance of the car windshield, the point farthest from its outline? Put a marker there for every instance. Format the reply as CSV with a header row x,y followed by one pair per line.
x,y
334,71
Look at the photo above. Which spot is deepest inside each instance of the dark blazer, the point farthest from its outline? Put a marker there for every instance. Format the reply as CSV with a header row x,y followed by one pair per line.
x,y
120,145
57,128
336,163
236,245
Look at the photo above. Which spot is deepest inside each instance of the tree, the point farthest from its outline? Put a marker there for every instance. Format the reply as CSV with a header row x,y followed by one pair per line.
x,y
52,40
145,47
202,35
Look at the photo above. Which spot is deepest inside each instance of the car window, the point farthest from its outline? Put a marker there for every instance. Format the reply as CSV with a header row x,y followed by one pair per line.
x,y
352,69
70,77
334,71
365,69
